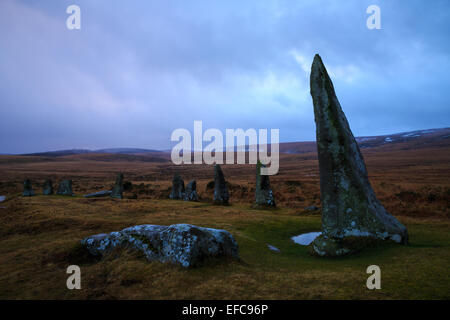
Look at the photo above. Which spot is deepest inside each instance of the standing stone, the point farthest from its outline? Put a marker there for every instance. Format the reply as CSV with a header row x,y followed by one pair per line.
x,y
264,195
177,188
191,191
65,188
220,187
351,213
48,187
118,187
27,189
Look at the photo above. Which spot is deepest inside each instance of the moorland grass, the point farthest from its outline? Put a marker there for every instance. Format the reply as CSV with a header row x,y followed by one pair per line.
x,y
39,239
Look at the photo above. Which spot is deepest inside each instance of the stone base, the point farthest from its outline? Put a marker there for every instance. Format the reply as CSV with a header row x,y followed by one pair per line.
x,y
329,247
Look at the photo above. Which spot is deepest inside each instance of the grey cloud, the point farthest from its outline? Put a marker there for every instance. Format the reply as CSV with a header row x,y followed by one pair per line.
x,y
138,70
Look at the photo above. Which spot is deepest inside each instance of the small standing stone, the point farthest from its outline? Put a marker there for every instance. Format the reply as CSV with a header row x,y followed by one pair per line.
x,y
177,188
65,188
264,195
117,191
27,189
191,191
221,195
48,187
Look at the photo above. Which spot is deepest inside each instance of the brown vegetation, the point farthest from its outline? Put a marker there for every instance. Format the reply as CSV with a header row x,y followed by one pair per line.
x,y
39,235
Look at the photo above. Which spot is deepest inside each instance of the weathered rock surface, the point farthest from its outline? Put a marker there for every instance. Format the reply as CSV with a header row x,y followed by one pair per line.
x,y
182,244
27,188
117,191
191,191
221,195
349,205
177,192
48,187
263,194
65,188
98,194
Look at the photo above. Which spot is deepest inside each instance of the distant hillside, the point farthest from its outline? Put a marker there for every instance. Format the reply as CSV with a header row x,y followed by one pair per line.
x,y
58,153
61,153
404,140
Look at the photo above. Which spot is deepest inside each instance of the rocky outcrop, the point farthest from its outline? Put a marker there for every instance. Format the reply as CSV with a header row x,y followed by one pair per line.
x,y
65,188
221,195
190,193
117,191
27,189
182,244
177,192
263,194
351,213
48,188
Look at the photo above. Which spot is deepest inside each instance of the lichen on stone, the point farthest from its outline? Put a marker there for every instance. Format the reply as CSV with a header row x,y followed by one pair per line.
x,y
182,244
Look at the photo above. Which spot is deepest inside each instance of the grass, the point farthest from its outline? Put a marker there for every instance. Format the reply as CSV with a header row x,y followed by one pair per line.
x,y
39,237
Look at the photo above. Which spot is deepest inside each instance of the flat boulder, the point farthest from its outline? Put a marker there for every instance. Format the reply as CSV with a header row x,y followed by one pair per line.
x,y
181,244
65,188
27,189
99,194
352,216
312,208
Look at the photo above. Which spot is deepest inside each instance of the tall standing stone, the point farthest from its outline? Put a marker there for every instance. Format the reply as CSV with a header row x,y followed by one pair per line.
x,y
263,194
177,188
117,191
48,187
351,213
27,189
65,188
191,191
221,195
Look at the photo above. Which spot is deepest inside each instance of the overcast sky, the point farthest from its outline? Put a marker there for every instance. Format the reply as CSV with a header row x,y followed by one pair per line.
x,y
137,70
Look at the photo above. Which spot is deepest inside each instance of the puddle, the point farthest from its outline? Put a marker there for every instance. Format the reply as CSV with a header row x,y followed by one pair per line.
x,y
306,238
273,248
